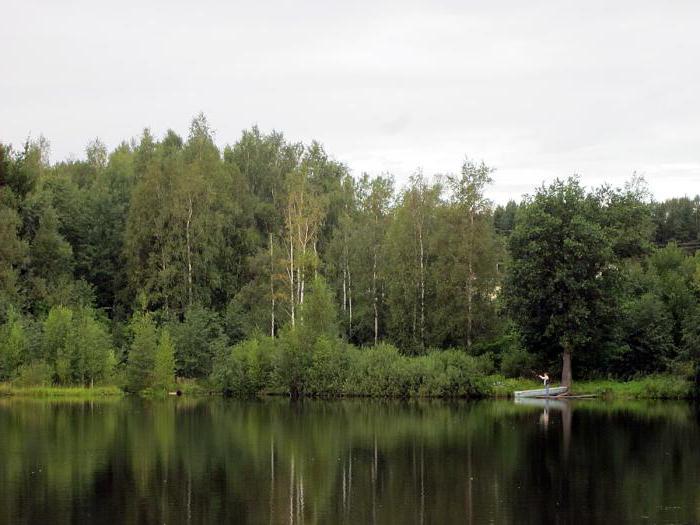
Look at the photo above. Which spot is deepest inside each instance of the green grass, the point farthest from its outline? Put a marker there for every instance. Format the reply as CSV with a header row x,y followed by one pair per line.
x,y
650,387
495,386
72,392
501,387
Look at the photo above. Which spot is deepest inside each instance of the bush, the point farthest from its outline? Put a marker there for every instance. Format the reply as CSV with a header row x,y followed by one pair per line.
x,y
164,363
453,373
330,363
36,373
13,345
517,362
658,386
293,362
375,371
329,367
142,354
246,368
197,340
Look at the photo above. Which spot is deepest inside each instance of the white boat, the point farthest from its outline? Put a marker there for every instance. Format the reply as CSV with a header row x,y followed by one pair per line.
x,y
541,392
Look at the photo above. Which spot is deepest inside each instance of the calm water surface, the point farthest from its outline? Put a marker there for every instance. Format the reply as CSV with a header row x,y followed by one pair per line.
x,y
355,462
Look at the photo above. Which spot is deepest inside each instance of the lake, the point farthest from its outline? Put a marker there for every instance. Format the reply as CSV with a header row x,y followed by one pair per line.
x,y
355,461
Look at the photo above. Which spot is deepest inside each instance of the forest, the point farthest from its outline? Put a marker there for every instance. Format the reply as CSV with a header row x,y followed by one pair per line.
x,y
266,266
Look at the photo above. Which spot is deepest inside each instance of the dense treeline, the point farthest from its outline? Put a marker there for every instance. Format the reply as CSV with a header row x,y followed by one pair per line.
x,y
267,265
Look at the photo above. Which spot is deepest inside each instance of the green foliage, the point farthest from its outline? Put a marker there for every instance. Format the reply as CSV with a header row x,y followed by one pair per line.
x,y
330,364
246,368
332,368
293,362
198,338
142,353
77,346
227,245
677,219
13,251
650,387
55,341
35,373
318,317
562,280
65,393
90,348
517,362
13,345
504,218
164,366
647,337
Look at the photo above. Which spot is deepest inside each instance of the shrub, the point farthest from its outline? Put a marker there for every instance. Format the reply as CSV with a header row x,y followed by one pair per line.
x,y
139,369
517,362
246,368
36,373
330,363
197,340
372,371
164,363
453,373
13,345
292,363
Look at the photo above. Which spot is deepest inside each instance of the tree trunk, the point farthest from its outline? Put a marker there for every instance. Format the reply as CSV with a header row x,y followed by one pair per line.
x,y
345,293
291,277
375,299
189,254
272,290
302,283
422,288
164,267
470,282
315,261
470,294
566,367
349,302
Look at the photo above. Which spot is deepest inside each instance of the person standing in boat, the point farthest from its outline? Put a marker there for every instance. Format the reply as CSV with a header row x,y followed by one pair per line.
x,y
545,378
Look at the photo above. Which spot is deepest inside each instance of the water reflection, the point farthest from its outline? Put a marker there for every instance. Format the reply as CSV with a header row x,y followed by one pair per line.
x,y
185,461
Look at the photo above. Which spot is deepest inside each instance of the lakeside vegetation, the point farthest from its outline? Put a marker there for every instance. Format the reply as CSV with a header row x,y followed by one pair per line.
x,y
267,267
62,392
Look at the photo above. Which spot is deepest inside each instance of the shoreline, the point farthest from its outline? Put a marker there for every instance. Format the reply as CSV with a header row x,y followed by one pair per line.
x,y
649,387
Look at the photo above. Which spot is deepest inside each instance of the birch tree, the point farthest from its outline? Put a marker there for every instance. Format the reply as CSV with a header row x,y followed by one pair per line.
x,y
375,197
304,214
410,252
341,254
469,255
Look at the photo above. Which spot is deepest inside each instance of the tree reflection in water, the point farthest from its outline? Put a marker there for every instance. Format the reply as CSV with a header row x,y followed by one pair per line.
x,y
357,461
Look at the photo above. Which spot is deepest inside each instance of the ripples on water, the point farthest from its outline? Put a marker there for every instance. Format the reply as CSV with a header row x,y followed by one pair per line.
x,y
355,462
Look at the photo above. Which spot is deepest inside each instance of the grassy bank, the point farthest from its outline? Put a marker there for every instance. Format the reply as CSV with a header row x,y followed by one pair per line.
x,y
650,387
492,386
69,392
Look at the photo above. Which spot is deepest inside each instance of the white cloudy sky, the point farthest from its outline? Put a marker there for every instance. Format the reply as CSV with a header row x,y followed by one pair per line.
x,y
535,89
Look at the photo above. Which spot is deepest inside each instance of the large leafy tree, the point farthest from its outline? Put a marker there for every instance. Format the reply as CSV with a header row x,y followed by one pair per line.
x,y
175,230
13,251
562,277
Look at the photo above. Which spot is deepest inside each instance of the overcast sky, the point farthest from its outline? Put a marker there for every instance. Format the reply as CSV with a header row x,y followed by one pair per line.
x,y
535,89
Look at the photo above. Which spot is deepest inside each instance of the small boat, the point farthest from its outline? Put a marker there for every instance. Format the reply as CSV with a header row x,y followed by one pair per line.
x,y
541,392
